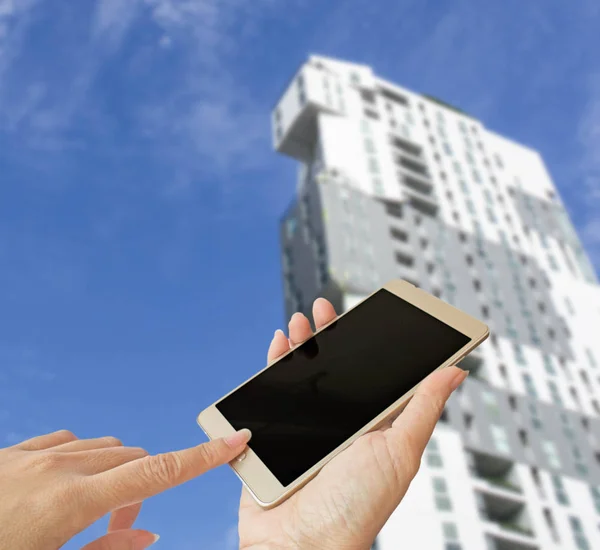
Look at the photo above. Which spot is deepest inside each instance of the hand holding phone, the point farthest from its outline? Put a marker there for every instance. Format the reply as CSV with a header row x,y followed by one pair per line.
x,y
358,487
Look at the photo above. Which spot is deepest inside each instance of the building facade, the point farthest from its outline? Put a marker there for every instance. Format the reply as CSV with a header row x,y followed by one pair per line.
x,y
394,184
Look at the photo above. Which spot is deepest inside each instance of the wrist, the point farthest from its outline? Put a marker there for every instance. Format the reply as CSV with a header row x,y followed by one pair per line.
x,y
323,544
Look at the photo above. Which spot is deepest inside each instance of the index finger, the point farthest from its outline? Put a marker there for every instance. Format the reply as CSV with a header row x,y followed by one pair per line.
x,y
143,478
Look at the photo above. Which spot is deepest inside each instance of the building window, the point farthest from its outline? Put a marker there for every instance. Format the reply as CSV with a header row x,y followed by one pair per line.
x,y
523,437
434,458
555,393
373,165
404,259
301,91
290,227
477,284
551,525
498,160
491,216
491,403
355,78
377,186
476,176
394,209
578,535
398,234
500,439
596,497
569,305
529,386
450,530
451,536
552,262
591,358
551,454
447,149
585,378
469,259
548,364
442,498
519,356
369,146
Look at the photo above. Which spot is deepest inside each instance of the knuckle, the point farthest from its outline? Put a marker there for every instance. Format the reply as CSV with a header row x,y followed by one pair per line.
x,y
432,403
165,468
66,434
138,452
208,454
113,441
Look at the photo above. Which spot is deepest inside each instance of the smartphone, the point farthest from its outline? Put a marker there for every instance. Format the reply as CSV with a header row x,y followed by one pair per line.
x,y
351,377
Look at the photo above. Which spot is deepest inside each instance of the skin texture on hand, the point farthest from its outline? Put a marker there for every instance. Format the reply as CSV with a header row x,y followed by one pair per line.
x,y
54,486
348,502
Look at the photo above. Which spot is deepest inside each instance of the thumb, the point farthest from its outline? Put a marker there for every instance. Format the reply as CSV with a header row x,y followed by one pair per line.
x,y
127,539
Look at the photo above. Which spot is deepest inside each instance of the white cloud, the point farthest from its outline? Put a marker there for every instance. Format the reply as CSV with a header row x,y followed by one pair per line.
x,y
589,136
112,20
14,19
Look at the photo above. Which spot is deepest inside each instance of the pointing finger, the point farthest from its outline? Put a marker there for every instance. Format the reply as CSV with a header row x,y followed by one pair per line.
x,y
138,480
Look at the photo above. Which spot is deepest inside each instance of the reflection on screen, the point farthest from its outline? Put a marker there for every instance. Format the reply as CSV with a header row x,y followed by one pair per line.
x,y
327,389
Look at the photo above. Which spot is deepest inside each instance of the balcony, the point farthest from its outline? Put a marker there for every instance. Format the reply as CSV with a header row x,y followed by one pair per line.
x,y
502,542
413,165
417,184
421,177
504,512
405,146
425,204
494,473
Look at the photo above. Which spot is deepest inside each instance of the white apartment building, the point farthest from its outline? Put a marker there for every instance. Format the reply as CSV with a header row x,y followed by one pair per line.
x,y
394,184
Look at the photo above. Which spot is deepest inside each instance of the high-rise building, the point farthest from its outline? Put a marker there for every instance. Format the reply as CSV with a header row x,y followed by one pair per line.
x,y
394,184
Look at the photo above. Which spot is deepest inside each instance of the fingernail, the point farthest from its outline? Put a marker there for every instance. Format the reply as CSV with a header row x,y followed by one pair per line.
x,y
297,314
458,379
279,331
240,437
144,541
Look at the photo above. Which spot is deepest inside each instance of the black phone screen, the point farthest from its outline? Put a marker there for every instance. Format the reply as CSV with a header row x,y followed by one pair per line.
x,y
319,395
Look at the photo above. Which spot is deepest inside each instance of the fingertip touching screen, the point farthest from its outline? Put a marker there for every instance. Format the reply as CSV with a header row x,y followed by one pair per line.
x,y
319,395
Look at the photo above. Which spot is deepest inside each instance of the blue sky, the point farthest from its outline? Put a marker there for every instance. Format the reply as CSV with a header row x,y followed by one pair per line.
x,y
139,195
